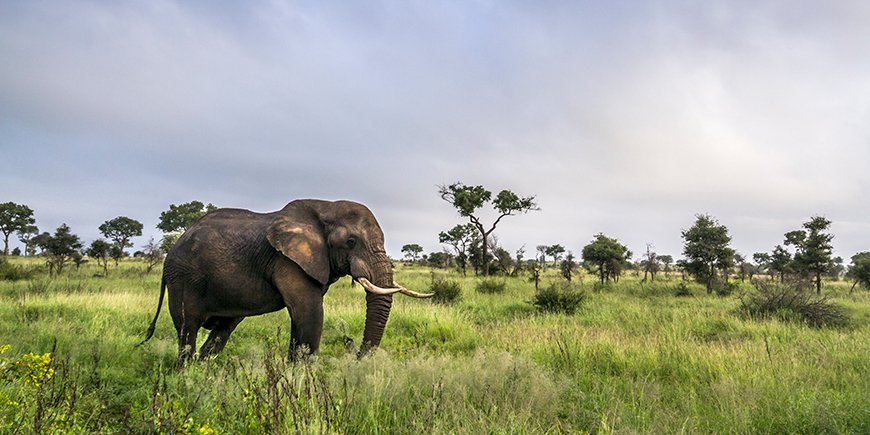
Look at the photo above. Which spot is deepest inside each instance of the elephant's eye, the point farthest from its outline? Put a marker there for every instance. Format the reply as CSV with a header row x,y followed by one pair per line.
x,y
351,242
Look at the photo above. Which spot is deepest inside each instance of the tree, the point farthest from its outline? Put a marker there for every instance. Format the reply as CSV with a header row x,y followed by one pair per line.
x,y
412,251
542,255
812,249
459,238
60,247
707,250
650,263
762,261
555,251
744,267
180,217
468,199
14,217
120,230
26,235
859,270
440,260
16,252
567,266
667,261
100,250
152,254
780,262
607,255
837,268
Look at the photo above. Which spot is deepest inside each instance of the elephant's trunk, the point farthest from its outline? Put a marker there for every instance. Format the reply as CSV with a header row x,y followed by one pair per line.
x,y
377,308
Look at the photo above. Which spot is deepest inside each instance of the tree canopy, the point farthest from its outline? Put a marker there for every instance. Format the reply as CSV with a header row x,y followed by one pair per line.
x,y
460,239
607,255
412,251
468,199
180,217
812,249
14,217
60,247
859,270
707,250
120,230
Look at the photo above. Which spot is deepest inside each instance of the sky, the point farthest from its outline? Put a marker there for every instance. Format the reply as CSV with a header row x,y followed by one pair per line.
x,y
622,117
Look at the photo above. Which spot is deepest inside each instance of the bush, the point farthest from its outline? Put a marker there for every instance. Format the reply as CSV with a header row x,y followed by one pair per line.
x,y
790,301
11,272
446,291
489,286
682,289
727,289
557,298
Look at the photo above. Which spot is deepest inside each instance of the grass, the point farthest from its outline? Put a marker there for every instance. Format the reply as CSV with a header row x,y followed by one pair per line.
x,y
633,358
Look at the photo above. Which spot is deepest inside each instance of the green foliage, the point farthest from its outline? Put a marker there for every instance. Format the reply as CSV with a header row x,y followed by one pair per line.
x,y
181,216
120,230
812,249
412,251
101,251
13,272
606,255
14,217
859,270
707,250
567,266
681,289
792,301
467,199
459,238
59,248
727,289
446,291
633,359
559,298
554,251
491,286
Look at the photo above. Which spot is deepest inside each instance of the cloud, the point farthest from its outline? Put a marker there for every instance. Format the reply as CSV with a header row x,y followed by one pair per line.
x,y
620,117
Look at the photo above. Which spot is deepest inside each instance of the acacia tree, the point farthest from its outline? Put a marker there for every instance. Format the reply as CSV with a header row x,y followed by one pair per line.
x,y
100,250
859,270
555,251
119,230
650,263
812,249
27,236
412,251
459,238
567,266
13,218
59,248
607,255
179,218
707,250
468,199
153,255
780,262
666,260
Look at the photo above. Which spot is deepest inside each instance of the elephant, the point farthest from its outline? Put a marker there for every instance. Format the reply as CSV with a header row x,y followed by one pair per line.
x,y
235,263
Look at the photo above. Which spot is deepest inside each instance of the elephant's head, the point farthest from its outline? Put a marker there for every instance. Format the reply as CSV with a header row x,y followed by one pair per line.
x,y
329,240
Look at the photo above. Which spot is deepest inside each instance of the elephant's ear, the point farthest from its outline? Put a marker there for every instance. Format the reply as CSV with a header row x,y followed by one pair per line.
x,y
300,238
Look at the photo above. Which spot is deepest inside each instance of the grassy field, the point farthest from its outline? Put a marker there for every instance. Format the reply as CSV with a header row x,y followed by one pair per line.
x,y
634,358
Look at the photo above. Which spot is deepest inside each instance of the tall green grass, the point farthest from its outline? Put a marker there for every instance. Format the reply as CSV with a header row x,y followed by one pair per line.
x,y
633,358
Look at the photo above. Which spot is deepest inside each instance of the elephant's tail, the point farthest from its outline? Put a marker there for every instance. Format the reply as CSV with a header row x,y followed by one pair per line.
x,y
156,315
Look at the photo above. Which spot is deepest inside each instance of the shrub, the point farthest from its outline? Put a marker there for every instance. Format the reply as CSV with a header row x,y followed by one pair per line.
x,y
790,301
489,286
727,289
11,272
682,289
446,291
557,298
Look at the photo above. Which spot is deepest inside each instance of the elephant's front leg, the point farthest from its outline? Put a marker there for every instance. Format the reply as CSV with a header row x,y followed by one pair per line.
x,y
306,325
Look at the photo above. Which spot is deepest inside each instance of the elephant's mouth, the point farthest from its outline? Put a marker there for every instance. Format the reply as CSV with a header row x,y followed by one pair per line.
x,y
388,291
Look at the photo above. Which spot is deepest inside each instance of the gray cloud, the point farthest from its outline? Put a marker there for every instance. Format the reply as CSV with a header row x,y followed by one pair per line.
x,y
621,118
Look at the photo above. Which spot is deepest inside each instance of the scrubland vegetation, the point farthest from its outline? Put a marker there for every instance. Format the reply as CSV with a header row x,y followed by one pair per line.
x,y
634,356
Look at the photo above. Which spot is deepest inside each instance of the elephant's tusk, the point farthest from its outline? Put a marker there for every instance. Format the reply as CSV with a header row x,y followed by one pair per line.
x,y
375,289
412,293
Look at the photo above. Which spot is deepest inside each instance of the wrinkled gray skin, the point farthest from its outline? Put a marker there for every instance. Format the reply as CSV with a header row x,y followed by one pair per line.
x,y
235,263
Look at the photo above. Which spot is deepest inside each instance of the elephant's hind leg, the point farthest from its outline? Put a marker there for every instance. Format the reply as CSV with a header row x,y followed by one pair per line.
x,y
221,328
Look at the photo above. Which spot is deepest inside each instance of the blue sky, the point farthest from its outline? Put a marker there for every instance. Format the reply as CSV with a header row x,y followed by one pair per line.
x,y
626,118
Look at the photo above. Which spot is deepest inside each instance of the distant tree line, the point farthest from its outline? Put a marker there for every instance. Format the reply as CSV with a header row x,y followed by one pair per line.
x,y
62,247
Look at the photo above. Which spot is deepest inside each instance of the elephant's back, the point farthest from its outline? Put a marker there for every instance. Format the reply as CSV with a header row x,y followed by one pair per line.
x,y
219,241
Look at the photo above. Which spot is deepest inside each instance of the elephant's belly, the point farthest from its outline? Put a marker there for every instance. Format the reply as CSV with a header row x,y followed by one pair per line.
x,y
234,302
